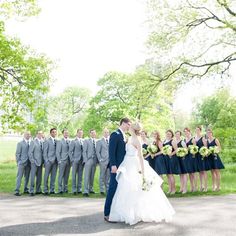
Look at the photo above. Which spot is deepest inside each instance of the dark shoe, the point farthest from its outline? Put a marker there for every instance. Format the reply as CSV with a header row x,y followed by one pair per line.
x,y
31,194
92,192
17,194
26,192
38,193
52,192
102,193
74,193
86,195
79,192
60,192
106,218
46,193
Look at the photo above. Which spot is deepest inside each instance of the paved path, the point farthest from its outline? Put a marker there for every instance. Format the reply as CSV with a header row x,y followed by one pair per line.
x,y
196,216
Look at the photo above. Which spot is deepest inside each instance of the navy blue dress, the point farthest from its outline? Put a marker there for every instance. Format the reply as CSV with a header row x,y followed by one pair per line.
x,y
202,162
191,160
182,160
151,160
160,164
172,163
214,159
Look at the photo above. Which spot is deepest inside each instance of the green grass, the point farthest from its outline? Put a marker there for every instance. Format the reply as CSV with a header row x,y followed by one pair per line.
x,y
8,170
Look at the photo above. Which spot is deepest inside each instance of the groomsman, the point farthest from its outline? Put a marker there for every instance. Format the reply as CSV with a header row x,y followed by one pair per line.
x,y
50,162
36,160
76,158
90,160
22,160
102,155
62,153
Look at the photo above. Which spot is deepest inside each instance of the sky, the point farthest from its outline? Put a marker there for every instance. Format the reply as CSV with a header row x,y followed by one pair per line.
x,y
87,38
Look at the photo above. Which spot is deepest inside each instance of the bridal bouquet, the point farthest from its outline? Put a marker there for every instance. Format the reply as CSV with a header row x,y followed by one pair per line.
x,y
147,184
167,150
152,149
193,149
181,152
204,151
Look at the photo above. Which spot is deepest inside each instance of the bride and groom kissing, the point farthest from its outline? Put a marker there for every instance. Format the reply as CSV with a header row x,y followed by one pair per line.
x,y
127,201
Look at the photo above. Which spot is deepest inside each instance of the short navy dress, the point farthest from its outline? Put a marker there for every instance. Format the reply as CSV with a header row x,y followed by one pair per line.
x,y
191,161
202,162
182,160
150,160
172,163
160,164
214,159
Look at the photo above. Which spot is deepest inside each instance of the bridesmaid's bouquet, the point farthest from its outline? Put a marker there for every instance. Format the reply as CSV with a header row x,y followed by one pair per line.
x,y
167,150
147,184
152,149
145,152
193,149
181,152
204,151
214,150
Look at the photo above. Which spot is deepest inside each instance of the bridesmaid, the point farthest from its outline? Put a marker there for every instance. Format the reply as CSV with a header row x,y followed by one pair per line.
x,y
214,161
182,163
202,162
160,163
172,162
191,161
150,158
144,139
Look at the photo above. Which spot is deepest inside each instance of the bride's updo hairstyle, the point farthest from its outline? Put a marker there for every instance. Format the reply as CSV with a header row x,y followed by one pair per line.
x,y
136,126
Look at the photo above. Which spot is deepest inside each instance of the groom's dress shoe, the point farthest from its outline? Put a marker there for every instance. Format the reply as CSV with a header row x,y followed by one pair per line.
x,y
106,218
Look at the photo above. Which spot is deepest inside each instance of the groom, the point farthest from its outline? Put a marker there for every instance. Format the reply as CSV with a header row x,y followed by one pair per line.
x,y
116,156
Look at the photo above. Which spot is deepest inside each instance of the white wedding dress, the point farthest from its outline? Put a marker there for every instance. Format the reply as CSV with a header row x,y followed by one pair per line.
x,y
131,204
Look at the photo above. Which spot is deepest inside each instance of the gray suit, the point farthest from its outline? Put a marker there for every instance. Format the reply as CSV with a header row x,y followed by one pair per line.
x,y
62,153
36,160
76,158
50,163
90,160
22,160
103,159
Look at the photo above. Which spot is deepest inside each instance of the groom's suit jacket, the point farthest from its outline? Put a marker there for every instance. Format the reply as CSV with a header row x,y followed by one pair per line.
x,y
116,148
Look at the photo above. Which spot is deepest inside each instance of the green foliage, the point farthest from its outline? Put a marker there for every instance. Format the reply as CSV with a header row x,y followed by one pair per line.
x,y
179,37
24,82
218,110
68,109
132,95
18,8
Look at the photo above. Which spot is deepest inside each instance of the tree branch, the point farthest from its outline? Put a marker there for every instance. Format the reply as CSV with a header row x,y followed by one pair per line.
x,y
226,6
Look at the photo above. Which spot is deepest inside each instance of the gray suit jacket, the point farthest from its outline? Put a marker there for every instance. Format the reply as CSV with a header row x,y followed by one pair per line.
x,y
88,150
62,150
36,152
102,151
76,150
49,150
22,149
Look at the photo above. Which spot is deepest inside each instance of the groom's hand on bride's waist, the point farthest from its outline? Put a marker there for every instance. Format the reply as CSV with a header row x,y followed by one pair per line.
x,y
113,169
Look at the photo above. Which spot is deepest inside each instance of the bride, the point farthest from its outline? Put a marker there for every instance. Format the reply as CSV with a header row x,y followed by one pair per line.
x,y
138,196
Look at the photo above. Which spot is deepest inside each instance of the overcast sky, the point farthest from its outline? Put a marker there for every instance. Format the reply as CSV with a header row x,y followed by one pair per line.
x,y
88,38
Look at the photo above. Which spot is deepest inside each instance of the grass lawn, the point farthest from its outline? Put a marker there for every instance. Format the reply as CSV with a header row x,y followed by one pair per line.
x,y
8,171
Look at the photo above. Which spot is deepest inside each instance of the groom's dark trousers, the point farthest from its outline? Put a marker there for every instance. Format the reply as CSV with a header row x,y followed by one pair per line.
x,y
116,156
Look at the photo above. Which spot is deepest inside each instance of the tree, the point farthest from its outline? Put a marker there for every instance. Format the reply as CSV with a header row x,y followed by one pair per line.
x,y
218,110
24,74
192,39
130,95
68,109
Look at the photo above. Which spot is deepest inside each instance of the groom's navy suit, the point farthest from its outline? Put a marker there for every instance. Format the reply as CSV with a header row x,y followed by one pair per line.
x,y
116,156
